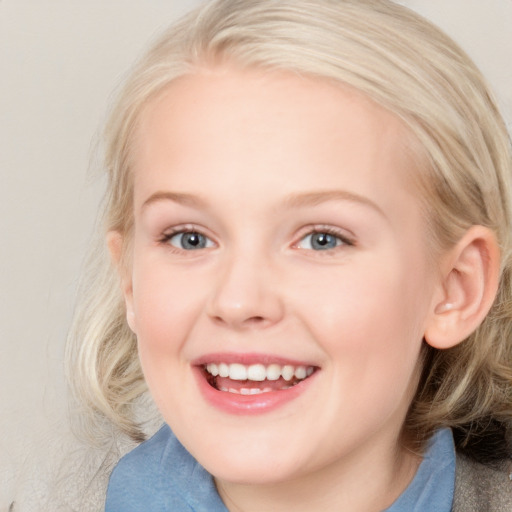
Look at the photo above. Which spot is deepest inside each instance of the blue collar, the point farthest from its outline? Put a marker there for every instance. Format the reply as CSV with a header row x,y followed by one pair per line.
x,y
432,487
160,475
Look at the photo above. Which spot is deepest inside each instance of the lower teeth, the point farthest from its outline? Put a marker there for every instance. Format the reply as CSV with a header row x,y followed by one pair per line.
x,y
249,391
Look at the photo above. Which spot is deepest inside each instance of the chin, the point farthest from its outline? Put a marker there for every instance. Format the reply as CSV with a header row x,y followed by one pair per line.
x,y
248,461
245,472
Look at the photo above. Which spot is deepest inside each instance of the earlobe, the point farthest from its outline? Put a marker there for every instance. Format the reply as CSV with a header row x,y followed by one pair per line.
x,y
115,244
468,287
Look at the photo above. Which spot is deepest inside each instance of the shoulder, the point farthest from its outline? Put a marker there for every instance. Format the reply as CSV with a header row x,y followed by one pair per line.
x,y
479,487
160,475
145,462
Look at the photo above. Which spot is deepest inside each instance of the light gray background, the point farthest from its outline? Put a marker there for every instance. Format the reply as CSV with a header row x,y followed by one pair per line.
x,y
59,62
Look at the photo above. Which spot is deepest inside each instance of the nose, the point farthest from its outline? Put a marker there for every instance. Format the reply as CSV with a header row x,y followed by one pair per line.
x,y
245,295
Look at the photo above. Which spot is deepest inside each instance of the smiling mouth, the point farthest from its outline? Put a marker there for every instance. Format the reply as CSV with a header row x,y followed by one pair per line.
x,y
255,379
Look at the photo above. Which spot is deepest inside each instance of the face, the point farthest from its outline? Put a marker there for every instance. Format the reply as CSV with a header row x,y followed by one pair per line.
x,y
279,284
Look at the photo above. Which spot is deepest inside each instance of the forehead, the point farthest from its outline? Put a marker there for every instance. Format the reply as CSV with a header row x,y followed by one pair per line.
x,y
263,130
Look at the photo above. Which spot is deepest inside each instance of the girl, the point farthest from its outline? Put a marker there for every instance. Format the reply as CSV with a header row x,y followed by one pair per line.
x,y
309,214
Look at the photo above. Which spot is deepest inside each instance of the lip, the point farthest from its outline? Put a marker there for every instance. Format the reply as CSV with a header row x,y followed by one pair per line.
x,y
236,404
247,359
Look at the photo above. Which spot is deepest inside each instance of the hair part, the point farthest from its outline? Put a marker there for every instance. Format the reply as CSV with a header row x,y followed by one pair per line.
x,y
403,63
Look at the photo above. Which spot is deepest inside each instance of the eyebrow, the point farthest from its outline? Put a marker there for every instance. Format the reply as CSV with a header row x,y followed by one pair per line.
x,y
177,197
292,201
315,198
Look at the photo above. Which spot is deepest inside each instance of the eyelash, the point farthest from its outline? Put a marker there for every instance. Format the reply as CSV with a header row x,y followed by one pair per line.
x,y
169,235
344,240
307,232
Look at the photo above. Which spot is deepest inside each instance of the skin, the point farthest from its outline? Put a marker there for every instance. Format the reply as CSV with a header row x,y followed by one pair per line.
x,y
242,152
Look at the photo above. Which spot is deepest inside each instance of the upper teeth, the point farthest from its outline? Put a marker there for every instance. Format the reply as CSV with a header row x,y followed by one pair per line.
x,y
259,372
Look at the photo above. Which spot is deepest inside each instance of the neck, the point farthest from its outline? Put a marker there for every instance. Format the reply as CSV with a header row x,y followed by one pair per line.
x,y
368,484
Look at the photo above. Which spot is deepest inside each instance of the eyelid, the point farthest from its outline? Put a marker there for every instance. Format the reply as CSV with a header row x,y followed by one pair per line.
x,y
347,240
169,233
341,234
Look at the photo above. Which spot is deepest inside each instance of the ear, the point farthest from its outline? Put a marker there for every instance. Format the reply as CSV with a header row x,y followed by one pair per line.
x,y
468,287
115,244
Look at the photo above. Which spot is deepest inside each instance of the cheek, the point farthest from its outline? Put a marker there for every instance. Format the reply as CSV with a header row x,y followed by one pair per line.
x,y
370,315
166,303
373,340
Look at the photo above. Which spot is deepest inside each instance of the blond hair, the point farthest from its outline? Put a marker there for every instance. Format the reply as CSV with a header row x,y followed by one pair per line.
x,y
403,63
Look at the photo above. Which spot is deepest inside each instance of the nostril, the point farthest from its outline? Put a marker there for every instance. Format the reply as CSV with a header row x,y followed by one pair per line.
x,y
255,319
218,320
252,320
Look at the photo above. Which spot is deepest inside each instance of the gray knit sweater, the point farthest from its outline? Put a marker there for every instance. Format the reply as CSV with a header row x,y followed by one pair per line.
x,y
479,488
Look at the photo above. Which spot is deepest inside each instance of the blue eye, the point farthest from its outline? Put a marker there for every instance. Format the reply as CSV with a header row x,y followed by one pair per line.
x,y
321,241
189,241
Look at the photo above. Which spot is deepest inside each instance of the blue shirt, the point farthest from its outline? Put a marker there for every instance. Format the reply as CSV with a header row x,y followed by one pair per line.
x,y
161,476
